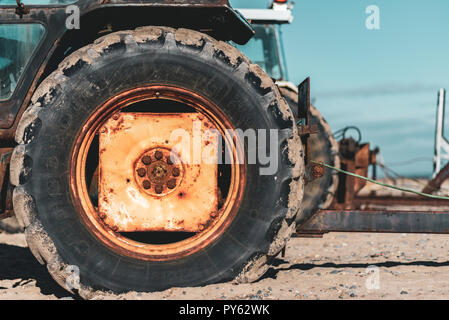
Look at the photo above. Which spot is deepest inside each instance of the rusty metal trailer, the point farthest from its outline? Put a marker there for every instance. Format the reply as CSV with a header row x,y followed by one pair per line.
x,y
351,212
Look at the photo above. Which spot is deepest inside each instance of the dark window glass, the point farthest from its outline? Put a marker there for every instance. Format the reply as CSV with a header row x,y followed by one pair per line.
x,y
17,44
264,49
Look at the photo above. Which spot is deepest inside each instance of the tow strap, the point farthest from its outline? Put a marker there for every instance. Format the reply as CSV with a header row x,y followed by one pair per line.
x,y
380,183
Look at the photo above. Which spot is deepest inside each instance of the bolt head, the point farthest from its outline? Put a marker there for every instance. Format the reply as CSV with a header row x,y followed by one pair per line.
x,y
146,160
115,116
171,184
176,172
146,184
158,155
141,172
169,160
158,188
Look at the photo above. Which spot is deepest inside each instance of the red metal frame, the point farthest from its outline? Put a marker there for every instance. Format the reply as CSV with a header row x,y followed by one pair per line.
x,y
351,212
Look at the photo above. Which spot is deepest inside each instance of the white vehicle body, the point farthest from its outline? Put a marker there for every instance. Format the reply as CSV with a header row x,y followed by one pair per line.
x,y
266,47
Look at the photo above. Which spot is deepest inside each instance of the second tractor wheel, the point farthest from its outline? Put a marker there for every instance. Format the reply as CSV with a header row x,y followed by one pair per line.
x,y
323,147
102,188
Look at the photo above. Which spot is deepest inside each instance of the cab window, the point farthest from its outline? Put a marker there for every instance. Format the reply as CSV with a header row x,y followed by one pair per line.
x,y
264,50
17,45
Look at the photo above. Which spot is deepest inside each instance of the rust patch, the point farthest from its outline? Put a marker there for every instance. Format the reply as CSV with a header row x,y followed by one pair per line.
x,y
157,175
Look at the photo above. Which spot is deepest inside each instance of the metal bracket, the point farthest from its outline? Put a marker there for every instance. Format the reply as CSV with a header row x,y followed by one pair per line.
x,y
398,221
304,101
304,115
309,129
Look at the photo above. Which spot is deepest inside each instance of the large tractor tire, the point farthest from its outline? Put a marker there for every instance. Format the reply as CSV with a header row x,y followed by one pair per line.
x,y
323,147
169,70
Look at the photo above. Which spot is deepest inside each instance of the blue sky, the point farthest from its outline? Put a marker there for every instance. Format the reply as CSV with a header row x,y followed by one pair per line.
x,y
383,81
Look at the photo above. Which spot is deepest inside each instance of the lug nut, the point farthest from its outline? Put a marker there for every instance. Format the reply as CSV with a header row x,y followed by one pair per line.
x,y
102,216
201,227
146,184
115,116
158,188
176,172
146,160
141,172
171,183
213,214
158,155
169,160
114,228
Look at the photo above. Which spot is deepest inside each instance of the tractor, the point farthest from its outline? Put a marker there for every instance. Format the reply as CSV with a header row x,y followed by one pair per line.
x,y
158,143
140,150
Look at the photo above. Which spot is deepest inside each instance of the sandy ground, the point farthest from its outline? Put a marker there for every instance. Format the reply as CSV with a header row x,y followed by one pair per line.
x,y
336,266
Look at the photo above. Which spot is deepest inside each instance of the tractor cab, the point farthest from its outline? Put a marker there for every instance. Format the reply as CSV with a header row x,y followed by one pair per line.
x,y
266,47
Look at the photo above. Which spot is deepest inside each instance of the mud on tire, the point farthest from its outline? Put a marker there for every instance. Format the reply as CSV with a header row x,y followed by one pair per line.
x,y
39,168
10,225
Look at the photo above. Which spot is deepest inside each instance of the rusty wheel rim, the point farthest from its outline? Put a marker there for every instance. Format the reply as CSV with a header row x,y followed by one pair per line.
x,y
132,248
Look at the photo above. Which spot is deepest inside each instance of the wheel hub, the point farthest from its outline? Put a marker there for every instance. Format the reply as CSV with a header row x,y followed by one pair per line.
x,y
159,171
148,181
123,206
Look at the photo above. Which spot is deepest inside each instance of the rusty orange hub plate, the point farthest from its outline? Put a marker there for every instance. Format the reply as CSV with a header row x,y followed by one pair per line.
x,y
158,172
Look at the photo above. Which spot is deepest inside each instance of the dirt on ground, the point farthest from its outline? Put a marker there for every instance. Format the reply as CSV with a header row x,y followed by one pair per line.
x,y
336,266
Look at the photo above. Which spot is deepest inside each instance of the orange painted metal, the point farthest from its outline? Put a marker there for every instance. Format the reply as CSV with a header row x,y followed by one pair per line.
x,y
89,213
148,178
361,161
